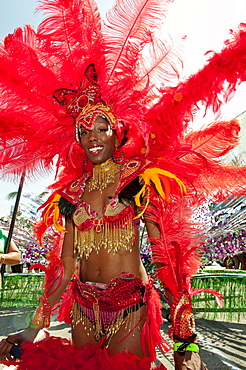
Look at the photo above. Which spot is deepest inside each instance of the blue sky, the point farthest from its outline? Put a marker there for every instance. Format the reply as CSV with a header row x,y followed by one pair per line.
x,y
14,13
206,23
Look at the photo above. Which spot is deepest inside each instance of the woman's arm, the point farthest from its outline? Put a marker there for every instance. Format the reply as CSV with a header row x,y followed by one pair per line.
x,y
13,257
68,259
69,264
188,359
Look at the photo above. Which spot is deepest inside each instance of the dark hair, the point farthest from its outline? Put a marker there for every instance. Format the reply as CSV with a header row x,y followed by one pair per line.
x,y
127,194
125,138
66,208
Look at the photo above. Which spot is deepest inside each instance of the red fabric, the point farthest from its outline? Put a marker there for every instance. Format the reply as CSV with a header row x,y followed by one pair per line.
x,y
121,293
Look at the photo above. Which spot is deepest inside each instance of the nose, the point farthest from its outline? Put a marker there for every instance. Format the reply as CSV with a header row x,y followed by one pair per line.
x,y
93,136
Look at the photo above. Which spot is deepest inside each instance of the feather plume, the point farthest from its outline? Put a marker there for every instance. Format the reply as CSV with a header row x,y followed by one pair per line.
x,y
71,33
216,140
24,73
160,62
168,119
127,28
177,247
217,182
34,64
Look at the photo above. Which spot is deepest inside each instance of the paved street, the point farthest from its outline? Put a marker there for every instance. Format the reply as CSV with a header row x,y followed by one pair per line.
x,y
222,344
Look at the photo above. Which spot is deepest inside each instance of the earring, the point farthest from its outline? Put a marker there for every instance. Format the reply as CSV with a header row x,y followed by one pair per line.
x,y
77,133
118,156
85,161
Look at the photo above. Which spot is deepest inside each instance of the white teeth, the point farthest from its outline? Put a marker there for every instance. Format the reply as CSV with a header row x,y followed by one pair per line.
x,y
95,149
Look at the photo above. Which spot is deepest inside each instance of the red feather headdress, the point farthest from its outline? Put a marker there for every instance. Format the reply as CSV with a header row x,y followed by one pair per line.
x,y
130,62
33,65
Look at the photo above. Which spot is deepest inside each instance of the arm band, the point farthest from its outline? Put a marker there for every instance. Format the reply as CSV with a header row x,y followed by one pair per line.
x,y
193,347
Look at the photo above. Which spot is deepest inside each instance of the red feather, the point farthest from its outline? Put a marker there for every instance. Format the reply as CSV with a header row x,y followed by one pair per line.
x,y
216,140
169,118
59,353
128,27
71,34
177,248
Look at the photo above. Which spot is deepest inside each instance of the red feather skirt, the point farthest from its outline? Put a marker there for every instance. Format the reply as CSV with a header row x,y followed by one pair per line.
x,y
58,353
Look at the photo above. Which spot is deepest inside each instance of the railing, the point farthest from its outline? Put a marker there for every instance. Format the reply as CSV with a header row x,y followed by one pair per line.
x,y
23,290
231,284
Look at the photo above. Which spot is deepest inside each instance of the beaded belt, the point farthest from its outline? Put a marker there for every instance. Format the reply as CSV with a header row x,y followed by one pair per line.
x,y
103,308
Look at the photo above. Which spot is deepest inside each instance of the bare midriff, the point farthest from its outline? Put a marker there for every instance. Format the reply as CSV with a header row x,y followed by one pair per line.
x,y
103,266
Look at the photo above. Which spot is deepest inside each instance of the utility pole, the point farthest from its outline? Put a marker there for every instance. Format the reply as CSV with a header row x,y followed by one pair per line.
x,y
12,224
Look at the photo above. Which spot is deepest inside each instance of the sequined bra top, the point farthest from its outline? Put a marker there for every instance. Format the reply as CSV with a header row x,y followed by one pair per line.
x,y
113,230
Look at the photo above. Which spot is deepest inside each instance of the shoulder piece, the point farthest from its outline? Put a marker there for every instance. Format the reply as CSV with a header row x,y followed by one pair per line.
x,y
131,169
74,190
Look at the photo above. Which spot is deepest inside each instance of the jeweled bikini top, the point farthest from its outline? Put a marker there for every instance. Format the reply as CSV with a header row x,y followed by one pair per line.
x,y
115,228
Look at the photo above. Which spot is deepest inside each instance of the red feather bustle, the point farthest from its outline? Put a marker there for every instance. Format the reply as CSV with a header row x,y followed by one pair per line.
x,y
59,353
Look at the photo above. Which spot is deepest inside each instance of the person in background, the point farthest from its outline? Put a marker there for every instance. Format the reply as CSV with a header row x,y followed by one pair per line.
x,y
13,256
240,261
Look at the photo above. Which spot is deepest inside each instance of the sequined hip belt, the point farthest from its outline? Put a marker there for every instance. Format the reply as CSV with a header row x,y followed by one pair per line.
x,y
103,308
122,292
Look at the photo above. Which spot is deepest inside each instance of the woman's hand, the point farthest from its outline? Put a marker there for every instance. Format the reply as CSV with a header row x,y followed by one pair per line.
x,y
188,361
19,338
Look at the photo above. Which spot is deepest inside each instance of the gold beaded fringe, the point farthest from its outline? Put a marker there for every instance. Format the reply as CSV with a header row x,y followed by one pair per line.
x,y
121,235
124,317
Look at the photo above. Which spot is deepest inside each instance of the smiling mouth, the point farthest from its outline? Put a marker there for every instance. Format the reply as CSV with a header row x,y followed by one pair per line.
x,y
95,149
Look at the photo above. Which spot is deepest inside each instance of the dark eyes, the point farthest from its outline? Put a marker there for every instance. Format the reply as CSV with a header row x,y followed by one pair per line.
x,y
82,131
85,132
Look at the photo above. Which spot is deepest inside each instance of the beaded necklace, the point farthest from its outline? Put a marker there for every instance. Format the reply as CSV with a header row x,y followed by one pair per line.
x,y
103,175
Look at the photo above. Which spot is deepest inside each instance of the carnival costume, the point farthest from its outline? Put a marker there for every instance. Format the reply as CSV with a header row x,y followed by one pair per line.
x,y
73,69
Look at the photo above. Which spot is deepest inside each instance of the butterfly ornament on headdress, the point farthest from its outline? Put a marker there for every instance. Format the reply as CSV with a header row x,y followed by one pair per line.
x,y
86,103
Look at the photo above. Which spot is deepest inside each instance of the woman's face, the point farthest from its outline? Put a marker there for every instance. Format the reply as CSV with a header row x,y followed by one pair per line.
x,y
98,143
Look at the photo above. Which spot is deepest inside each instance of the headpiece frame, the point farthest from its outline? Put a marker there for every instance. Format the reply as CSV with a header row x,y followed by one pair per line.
x,y
86,103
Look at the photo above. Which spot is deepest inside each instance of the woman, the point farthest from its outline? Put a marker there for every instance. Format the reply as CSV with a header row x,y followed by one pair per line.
x,y
12,257
102,264
135,161
112,300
